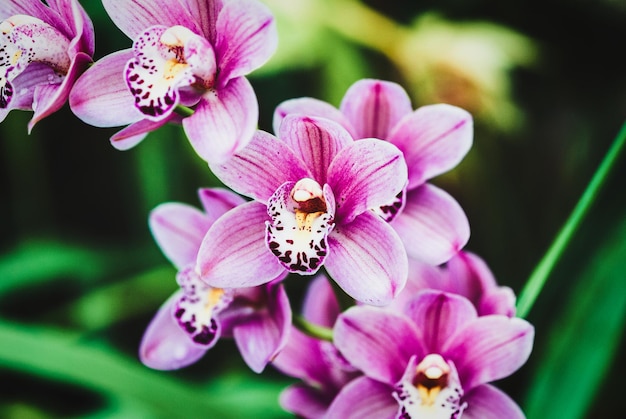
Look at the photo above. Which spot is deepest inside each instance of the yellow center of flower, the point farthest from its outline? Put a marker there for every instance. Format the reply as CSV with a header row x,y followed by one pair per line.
x,y
213,298
309,197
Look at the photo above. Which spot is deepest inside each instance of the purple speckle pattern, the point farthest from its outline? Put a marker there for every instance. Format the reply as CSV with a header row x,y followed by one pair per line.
x,y
297,238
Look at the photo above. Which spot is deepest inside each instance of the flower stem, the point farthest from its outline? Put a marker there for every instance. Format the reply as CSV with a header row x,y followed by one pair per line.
x,y
539,276
313,330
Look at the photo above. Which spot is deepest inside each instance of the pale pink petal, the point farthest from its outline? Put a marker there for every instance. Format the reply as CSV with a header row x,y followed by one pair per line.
x,y
100,96
378,342
307,106
488,402
261,167
364,398
367,259
224,121
134,16
33,8
490,348
317,141
233,252
433,226
366,174
246,38
165,346
178,230
374,107
434,139
439,316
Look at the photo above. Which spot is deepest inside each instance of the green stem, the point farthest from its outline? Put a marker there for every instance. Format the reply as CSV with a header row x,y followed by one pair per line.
x,y
183,110
538,278
313,330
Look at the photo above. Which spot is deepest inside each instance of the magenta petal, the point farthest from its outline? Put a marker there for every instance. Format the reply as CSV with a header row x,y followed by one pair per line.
x,y
233,252
374,107
178,230
367,259
490,348
261,168
246,38
488,402
316,141
304,401
217,201
135,133
165,346
434,139
33,8
367,174
224,121
307,106
378,342
432,225
133,16
262,336
364,398
100,96
320,303
439,316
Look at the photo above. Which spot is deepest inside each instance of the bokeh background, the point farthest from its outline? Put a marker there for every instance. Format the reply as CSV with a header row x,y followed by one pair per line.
x,y
81,277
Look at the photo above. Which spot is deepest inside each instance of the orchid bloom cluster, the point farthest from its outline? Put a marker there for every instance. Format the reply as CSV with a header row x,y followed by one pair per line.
x,y
338,197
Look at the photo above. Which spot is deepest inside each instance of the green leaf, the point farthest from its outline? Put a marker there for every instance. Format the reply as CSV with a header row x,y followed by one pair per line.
x,y
102,369
584,338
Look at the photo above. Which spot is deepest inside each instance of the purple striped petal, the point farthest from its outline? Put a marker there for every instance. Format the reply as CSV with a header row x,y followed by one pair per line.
x,y
134,16
316,141
33,8
260,168
311,107
367,259
233,252
100,96
224,121
374,107
364,398
178,230
366,174
262,336
439,316
488,402
378,342
246,38
490,348
165,346
206,12
434,139
217,201
432,225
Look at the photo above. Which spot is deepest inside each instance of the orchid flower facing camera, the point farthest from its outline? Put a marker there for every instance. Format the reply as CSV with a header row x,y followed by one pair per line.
x,y
192,320
435,360
321,368
433,139
313,188
43,50
465,274
189,53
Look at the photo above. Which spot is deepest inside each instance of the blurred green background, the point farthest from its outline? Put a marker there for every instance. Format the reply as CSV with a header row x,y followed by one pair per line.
x,y
80,276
